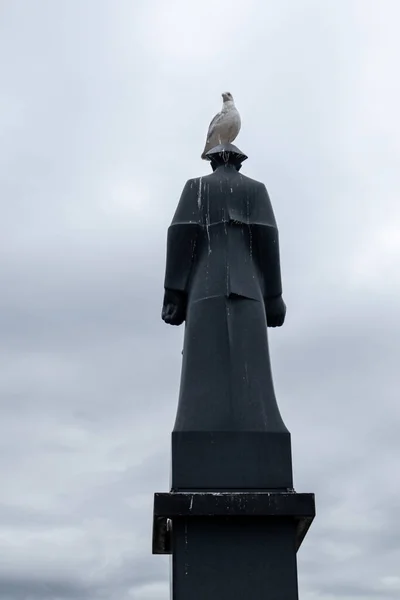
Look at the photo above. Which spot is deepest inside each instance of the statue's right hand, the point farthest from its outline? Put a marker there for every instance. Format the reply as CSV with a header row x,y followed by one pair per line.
x,y
276,311
174,307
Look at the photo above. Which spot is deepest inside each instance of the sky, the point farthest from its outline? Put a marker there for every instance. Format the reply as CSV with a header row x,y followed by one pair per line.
x,y
104,108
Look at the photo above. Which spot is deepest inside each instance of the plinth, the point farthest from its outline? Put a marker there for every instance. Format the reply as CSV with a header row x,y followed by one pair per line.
x,y
232,545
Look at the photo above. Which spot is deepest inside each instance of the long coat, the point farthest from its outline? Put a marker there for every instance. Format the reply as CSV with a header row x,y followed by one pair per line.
x,y
223,254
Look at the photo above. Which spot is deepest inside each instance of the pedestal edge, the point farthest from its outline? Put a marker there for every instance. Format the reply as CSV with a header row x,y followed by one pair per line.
x,y
183,505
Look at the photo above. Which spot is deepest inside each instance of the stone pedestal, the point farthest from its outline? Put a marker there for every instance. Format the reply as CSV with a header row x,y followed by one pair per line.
x,y
232,546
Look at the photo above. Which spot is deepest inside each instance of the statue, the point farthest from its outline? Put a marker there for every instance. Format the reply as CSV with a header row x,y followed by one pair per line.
x,y
232,520
223,280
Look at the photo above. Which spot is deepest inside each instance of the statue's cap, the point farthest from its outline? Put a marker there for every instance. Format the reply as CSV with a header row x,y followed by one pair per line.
x,y
226,153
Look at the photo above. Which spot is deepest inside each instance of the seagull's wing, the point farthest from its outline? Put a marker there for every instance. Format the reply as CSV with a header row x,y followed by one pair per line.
x,y
213,133
213,124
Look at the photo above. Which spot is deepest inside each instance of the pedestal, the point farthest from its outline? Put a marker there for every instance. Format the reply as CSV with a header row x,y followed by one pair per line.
x,y
232,546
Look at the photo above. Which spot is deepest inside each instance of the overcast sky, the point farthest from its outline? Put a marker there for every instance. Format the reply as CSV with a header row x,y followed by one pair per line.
x,y
104,108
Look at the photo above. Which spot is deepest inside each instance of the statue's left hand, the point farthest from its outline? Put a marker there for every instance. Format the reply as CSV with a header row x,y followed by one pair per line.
x,y
174,307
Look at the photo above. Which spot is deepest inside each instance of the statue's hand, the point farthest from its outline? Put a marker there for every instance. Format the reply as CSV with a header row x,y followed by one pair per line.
x,y
276,311
174,307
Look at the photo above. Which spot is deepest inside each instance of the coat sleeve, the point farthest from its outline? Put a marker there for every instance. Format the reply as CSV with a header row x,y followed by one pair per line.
x,y
181,240
266,245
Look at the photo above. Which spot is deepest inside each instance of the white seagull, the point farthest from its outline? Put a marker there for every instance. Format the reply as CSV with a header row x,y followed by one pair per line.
x,y
225,126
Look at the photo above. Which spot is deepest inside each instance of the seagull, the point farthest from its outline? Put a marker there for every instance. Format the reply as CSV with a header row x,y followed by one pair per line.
x,y
225,126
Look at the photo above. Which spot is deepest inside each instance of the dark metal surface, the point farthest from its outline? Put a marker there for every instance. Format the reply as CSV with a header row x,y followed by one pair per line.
x,y
245,504
232,520
274,505
223,279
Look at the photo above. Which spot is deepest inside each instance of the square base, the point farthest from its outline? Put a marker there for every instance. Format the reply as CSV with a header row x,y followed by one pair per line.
x,y
234,559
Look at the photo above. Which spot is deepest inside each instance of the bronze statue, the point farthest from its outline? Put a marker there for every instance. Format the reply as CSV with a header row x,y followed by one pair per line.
x,y
223,279
232,520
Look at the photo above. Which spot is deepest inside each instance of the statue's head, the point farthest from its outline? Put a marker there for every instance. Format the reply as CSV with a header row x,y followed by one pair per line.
x,y
225,154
